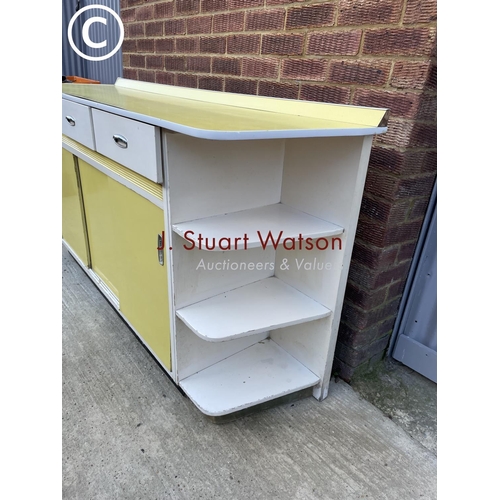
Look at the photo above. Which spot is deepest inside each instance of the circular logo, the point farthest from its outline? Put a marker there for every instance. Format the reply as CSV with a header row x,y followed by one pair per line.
x,y
85,32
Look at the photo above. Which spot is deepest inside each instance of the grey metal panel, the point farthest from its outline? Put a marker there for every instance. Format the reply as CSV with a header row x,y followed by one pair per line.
x,y
106,71
415,333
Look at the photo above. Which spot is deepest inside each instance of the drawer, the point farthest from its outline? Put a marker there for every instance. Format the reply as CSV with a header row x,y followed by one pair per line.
x,y
134,144
77,123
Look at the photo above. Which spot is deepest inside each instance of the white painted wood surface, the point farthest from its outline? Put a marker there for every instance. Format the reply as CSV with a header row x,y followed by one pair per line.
x,y
255,375
258,307
142,154
280,221
81,117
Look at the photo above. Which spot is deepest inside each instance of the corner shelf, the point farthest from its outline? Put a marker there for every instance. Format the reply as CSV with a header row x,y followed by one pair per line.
x,y
257,374
258,307
274,218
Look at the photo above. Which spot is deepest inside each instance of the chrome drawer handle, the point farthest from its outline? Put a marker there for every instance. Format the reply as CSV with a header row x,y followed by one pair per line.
x,y
70,120
120,141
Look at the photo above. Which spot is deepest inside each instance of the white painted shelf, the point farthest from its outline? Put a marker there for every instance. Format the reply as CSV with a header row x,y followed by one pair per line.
x,y
270,218
259,373
258,307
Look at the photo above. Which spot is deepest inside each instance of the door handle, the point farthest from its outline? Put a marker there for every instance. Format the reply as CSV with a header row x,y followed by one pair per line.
x,y
70,120
120,141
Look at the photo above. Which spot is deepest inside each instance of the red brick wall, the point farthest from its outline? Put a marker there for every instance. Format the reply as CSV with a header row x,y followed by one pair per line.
x,y
362,52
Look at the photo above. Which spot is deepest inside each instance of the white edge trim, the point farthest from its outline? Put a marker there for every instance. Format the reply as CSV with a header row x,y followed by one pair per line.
x,y
223,135
114,176
105,290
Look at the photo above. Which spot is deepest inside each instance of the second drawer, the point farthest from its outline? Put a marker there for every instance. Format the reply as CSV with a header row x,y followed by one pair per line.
x,y
134,144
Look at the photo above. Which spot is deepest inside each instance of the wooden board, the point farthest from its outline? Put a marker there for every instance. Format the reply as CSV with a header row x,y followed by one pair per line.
x,y
261,306
261,372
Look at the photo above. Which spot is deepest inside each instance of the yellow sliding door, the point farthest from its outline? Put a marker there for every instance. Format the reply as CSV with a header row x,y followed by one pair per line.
x,y
123,230
73,231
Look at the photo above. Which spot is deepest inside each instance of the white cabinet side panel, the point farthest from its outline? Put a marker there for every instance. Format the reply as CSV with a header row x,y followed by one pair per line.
x,y
213,178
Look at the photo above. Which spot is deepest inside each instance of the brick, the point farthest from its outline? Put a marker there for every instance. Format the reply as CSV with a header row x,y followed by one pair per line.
x,y
245,4
322,93
359,72
381,185
165,45
373,257
283,44
134,2
419,208
379,235
154,62
241,86
310,16
427,109
399,41
211,83
360,319
283,90
137,61
198,64
350,336
336,43
145,45
406,251
364,299
356,357
389,213
187,44
226,66
146,76
399,104
420,11
164,78
304,69
432,80
127,15
398,134
265,20
229,22
130,73
213,5
260,68
135,30
175,63
144,13
154,28
357,12
129,45
396,289
126,60
243,44
187,7
416,186
410,74
213,45
423,136
397,273
282,2
190,81
402,162
163,10
175,27
199,25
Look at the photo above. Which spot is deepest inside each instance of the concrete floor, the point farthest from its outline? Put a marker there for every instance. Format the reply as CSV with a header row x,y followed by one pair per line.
x,y
128,433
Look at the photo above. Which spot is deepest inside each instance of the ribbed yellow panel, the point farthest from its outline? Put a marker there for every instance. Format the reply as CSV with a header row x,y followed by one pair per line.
x,y
126,173
123,230
72,219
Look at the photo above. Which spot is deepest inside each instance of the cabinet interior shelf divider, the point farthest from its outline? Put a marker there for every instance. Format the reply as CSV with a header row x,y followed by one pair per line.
x,y
258,307
256,224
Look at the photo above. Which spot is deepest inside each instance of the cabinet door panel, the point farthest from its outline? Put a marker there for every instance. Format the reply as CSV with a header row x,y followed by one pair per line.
x,y
72,218
123,229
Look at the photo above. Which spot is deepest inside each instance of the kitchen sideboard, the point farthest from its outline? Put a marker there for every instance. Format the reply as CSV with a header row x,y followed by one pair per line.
x,y
220,226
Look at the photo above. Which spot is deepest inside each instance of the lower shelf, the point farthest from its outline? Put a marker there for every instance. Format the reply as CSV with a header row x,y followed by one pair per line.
x,y
259,373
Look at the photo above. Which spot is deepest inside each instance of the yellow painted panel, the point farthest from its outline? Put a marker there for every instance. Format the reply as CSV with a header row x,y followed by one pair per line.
x,y
220,111
123,228
72,219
